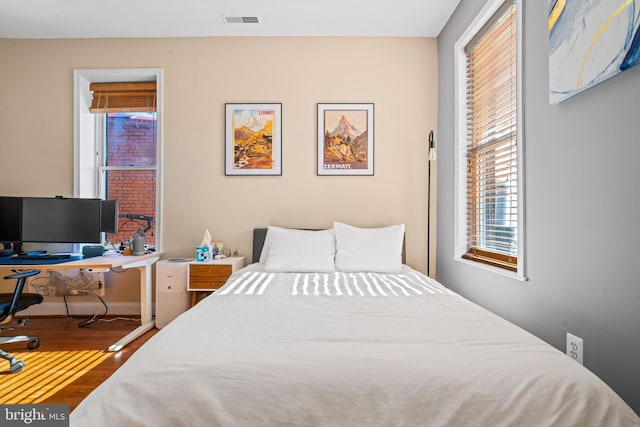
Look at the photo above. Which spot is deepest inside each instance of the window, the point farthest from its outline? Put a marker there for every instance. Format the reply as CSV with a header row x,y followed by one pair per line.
x,y
128,170
489,160
117,146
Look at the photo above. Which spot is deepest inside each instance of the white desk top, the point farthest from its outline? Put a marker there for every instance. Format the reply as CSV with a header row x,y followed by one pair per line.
x,y
98,262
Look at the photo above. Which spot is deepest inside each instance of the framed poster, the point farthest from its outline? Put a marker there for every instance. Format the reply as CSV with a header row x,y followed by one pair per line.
x,y
345,139
253,139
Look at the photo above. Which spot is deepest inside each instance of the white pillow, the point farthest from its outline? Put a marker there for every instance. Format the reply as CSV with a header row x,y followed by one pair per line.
x,y
300,250
369,249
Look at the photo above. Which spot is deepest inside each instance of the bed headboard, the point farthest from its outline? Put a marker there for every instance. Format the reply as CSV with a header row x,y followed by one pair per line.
x,y
259,234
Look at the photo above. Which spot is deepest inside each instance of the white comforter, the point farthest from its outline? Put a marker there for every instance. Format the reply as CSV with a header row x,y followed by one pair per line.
x,y
347,350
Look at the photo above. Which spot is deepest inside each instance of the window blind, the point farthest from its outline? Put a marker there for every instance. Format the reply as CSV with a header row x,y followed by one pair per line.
x,y
123,97
492,163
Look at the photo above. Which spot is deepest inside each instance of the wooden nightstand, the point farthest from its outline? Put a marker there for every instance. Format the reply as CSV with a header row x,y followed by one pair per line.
x,y
210,276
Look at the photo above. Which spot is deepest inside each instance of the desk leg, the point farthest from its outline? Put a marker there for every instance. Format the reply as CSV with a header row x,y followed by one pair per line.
x,y
145,309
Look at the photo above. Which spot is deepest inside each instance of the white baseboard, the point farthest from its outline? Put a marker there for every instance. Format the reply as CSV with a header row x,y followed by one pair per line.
x,y
82,309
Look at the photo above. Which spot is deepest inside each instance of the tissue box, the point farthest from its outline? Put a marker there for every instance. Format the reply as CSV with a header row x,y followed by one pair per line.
x,y
203,254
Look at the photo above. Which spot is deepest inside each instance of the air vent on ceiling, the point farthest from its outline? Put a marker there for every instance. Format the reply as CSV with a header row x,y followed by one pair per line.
x,y
228,19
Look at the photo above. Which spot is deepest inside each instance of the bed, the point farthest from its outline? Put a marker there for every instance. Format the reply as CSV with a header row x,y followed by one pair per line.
x,y
321,336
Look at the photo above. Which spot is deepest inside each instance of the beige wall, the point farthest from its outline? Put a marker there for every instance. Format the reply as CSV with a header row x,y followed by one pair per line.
x,y
398,75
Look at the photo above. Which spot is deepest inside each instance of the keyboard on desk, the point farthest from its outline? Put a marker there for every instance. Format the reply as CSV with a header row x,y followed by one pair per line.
x,y
43,256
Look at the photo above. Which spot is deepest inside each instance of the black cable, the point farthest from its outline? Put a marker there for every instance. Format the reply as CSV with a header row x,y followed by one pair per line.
x,y
66,307
135,221
88,320
95,318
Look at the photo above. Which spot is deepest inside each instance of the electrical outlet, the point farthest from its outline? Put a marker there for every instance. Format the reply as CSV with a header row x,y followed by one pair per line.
x,y
574,347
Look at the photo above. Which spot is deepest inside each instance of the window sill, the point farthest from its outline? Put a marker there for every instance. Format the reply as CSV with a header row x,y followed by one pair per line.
x,y
510,274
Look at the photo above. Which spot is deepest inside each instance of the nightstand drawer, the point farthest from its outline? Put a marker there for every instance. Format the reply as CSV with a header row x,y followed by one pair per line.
x,y
208,277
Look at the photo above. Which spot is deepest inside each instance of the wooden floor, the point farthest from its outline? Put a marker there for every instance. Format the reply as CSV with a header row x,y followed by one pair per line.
x,y
61,334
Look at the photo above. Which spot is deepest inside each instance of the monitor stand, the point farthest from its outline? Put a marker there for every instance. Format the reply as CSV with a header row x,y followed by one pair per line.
x,y
6,252
11,248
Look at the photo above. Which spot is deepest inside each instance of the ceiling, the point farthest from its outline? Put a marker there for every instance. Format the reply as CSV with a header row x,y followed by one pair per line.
x,y
202,18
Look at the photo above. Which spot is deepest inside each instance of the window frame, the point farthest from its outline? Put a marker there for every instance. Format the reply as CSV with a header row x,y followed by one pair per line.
x,y
461,134
89,129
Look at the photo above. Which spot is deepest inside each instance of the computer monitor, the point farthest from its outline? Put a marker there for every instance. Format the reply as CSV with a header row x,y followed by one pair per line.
x,y
50,220
58,220
10,219
109,216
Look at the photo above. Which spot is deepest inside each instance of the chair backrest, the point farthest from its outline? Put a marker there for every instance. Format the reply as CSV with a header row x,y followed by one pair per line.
x,y
9,308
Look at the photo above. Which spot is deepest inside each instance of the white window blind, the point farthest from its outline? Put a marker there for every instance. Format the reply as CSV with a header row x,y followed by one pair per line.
x,y
492,155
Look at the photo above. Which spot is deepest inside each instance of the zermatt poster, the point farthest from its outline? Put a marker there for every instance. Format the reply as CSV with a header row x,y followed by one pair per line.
x,y
347,146
253,139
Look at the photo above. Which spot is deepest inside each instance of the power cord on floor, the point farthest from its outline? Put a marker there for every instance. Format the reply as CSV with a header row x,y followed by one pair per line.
x,y
90,320
132,319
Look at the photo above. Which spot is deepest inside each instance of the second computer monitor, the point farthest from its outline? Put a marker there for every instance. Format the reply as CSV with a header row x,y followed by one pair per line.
x,y
109,216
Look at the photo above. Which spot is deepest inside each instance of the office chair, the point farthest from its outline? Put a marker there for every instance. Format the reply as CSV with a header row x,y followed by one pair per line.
x,y
10,303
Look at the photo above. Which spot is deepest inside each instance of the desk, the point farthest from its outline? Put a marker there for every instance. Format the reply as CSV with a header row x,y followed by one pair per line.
x,y
103,264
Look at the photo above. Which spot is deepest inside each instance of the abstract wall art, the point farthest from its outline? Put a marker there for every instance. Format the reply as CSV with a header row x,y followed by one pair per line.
x,y
590,41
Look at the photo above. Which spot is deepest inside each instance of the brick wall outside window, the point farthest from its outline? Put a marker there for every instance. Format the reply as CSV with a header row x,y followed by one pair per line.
x,y
131,141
